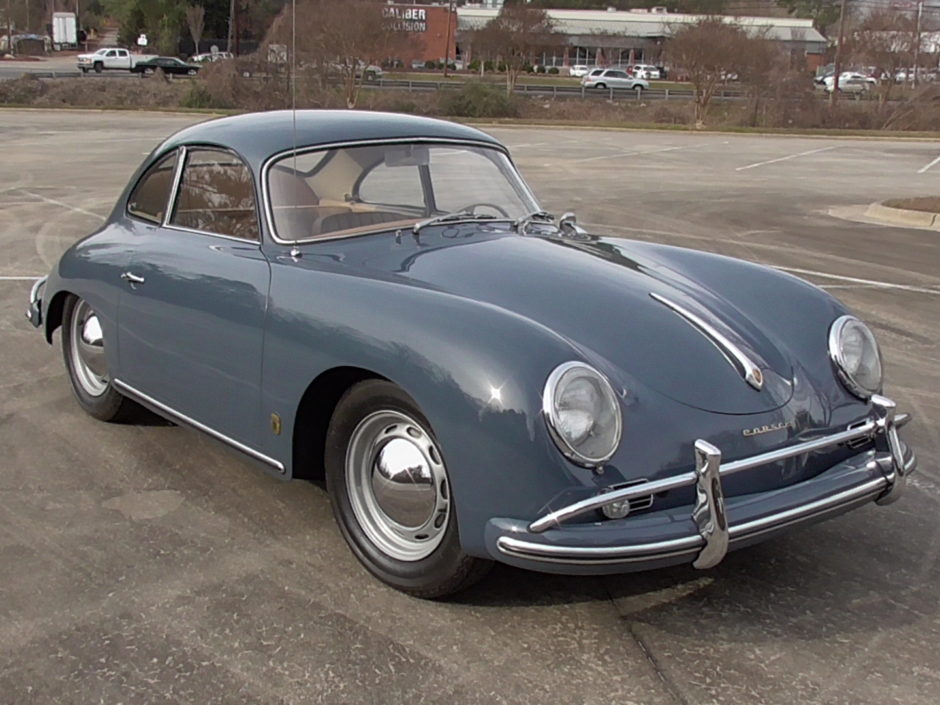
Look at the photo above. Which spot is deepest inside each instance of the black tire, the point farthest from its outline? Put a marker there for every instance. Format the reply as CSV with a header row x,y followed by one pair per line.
x,y
447,569
600,86
99,67
83,69
191,72
109,405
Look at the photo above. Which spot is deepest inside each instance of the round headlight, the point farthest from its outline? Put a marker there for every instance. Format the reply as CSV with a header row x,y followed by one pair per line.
x,y
582,413
855,353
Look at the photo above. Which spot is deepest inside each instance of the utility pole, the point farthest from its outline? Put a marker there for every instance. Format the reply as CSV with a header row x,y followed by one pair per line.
x,y
9,29
838,62
920,11
450,18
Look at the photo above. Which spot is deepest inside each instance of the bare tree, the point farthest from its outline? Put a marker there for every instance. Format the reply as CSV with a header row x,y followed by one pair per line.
x,y
760,65
514,36
340,38
196,19
883,40
708,52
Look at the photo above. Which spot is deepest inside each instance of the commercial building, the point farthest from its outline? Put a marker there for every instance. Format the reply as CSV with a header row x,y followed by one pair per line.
x,y
608,37
427,27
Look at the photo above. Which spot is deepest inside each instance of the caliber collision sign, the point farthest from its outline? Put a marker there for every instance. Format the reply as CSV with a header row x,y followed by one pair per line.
x,y
412,19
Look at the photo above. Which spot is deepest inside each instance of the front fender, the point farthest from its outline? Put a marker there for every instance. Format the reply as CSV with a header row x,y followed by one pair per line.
x,y
475,370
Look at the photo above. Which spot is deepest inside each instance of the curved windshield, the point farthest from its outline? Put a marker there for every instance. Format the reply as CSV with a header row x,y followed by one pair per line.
x,y
349,190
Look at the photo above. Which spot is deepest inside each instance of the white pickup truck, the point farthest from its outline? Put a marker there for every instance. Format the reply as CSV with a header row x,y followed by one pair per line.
x,y
109,59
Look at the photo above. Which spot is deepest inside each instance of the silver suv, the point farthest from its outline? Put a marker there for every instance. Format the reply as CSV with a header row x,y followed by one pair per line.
x,y
613,78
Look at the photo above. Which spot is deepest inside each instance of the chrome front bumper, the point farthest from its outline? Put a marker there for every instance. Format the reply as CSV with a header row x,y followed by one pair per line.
x,y
880,478
34,312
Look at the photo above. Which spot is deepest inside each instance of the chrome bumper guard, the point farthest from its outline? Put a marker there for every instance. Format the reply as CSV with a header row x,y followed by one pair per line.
x,y
34,312
708,514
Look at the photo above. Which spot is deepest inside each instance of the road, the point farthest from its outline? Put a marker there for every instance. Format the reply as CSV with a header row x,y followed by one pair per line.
x,y
145,563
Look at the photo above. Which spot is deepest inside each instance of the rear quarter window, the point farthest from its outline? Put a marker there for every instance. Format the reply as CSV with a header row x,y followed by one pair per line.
x,y
150,196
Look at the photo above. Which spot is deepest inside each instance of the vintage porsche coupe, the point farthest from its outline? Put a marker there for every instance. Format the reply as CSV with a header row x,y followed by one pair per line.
x,y
379,301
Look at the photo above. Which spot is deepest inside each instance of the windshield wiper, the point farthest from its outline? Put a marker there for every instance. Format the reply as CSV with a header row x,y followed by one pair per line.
x,y
457,217
520,224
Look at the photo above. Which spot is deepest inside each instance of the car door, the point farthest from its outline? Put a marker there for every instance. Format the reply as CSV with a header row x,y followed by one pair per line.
x,y
193,311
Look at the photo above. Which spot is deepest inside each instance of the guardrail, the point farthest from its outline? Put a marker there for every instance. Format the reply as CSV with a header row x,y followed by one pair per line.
x,y
556,91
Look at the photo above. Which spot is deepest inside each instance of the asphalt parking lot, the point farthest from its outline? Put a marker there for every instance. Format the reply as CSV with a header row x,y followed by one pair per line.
x,y
147,564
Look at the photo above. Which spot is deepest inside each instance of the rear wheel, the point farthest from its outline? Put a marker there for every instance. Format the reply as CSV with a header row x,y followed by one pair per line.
x,y
391,494
600,85
83,347
191,72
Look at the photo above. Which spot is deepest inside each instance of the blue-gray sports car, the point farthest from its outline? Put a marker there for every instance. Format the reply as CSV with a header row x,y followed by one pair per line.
x,y
379,301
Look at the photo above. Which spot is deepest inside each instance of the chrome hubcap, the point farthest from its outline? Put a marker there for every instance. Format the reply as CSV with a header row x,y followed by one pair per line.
x,y
87,350
397,485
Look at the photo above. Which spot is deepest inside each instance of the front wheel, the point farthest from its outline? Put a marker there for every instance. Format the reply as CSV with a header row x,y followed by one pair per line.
x,y
99,67
83,347
191,72
391,493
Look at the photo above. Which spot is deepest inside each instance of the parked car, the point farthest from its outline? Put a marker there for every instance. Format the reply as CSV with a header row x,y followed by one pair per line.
x,y
646,71
167,64
614,78
578,70
111,59
379,300
851,82
210,57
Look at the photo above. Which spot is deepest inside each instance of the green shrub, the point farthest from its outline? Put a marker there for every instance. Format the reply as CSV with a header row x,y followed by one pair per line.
x,y
553,70
489,66
501,67
429,64
474,65
541,69
479,100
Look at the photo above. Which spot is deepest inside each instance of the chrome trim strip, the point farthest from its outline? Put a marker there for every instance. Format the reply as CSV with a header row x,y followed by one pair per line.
x,y
749,370
585,505
774,456
266,196
665,549
508,544
247,450
34,311
689,478
174,189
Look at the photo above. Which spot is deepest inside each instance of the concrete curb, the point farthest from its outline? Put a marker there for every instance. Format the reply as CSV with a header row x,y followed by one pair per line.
x,y
904,216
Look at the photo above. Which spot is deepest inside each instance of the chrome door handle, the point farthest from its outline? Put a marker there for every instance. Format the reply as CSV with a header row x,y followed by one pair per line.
x,y
132,278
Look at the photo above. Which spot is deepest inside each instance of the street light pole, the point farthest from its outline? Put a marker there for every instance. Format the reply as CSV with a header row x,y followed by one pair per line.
x,y
920,10
838,62
450,18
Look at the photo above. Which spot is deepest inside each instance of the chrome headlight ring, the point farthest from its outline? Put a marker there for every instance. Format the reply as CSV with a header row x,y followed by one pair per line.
x,y
582,413
856,357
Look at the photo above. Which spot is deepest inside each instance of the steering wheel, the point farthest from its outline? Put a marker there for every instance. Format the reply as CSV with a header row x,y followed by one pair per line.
x,y
483,204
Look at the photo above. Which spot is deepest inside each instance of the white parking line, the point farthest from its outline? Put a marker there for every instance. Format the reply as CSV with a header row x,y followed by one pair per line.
x,y
786,158
19,279
62,205
634,154
925,168
856,280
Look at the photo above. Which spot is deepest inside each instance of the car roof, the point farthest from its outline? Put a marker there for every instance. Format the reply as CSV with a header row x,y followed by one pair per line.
x,y
257,136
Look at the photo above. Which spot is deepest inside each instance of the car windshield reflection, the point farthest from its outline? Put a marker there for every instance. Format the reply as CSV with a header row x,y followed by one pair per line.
x,y
359,189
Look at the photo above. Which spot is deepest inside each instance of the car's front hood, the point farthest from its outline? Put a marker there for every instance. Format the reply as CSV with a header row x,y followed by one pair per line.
x,y
597,294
